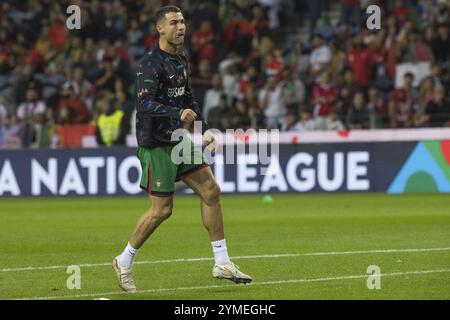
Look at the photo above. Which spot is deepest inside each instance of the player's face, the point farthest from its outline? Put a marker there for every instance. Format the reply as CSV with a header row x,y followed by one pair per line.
x,y
172,28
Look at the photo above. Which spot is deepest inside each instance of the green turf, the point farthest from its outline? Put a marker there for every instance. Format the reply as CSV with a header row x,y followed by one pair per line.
x,y
71,231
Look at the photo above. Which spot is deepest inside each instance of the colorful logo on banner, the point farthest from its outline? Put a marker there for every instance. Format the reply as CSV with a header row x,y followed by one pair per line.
x,y
426,170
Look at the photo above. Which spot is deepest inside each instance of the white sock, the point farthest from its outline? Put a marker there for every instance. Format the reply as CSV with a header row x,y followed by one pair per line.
x,y
127,256
220,252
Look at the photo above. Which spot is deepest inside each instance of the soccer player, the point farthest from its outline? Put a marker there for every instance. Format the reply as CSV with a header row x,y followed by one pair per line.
x,y
164,104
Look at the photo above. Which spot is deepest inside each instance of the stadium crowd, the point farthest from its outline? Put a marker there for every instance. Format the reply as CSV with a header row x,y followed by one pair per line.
x,y
55,82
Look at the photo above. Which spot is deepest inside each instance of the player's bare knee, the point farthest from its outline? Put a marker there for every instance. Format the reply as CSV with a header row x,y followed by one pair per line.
x,y
161,215
162,212
211,195
165,214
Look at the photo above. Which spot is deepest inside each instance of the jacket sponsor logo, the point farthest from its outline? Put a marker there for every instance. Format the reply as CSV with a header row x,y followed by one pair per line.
x,y
175,92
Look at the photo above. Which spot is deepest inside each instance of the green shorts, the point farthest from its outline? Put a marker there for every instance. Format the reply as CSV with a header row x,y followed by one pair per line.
x,y
163,166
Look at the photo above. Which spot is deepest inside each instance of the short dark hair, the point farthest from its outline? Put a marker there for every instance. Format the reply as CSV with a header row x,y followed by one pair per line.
x,y
161,12
409,75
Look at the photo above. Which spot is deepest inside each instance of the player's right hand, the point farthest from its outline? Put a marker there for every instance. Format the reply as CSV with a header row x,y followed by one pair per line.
x,y
188,115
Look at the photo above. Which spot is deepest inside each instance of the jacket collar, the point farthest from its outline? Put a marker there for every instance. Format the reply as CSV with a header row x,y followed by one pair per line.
x,y
158,49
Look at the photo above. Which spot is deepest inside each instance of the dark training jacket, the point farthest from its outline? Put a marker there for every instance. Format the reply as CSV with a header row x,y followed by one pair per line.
x,y
162,93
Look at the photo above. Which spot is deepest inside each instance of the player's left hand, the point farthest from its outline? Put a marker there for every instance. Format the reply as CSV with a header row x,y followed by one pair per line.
x,y
209,141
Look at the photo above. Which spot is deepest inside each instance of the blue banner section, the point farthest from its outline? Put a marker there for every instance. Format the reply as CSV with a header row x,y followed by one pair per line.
x,y
114,171
337,167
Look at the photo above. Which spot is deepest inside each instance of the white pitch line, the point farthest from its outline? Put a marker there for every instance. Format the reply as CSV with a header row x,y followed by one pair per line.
x,y
262,283
262,256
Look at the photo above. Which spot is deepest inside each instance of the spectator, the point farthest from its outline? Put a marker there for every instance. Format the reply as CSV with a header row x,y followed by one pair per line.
x,y
118,54
273,12
320,56
437,112
6,56
71,108
256,114
361,60
135,37
25,79
403,104
417,50
306,123
272,99
316,8
57,32
47,131
13,132
212,95
377,108
152,37
342,35
217,114
425,91
134,34
32,106
441,44
107,77
442,12
243,31
436,73
201,81
202,42
261,19
113,23
123,98
333,122
75,50
274,64
351,12
250,76
298,60
401,11
337,62
426,88
290,122
294,89
346,92
110,123
324,99
229,72
358,115
90,65
239,115
43,45
82,87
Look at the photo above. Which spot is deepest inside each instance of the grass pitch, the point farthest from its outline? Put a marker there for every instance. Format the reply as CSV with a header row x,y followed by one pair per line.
x,y
296,247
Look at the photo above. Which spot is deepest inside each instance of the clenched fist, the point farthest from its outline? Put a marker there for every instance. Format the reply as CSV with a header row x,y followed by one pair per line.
x,y
188,116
